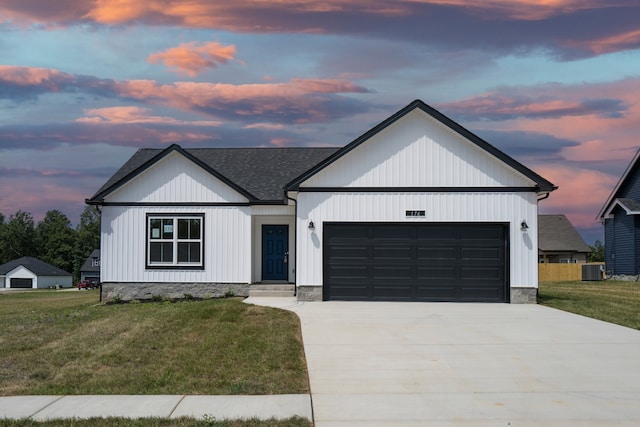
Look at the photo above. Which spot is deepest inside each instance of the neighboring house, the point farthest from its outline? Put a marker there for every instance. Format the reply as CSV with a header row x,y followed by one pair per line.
x,y
416,209
559,241
621,218
28,272
90,270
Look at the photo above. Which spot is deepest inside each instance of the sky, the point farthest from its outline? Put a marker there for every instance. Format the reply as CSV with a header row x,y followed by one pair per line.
x,y
85,83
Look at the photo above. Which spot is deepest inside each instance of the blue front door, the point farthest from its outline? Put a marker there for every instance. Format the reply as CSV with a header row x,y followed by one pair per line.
x,y
275,252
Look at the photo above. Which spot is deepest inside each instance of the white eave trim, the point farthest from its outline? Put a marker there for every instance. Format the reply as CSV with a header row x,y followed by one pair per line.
x,y
615,203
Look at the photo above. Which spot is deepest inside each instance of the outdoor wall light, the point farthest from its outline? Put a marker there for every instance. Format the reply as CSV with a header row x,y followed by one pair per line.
x,y
312,226
523,226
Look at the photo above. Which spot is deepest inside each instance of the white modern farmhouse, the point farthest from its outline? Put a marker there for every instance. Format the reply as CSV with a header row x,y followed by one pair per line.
x,y
416,209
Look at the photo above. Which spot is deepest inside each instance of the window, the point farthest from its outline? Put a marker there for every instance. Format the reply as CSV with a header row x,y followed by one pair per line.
x,y
175,241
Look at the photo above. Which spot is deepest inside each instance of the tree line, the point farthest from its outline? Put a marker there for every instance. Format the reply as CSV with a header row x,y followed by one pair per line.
x,y
52,240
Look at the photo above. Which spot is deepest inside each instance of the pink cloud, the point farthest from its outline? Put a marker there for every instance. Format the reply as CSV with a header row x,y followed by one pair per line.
x,y
622,41
240,15
580,195
296,101
134,115
596,116
30,76
192,59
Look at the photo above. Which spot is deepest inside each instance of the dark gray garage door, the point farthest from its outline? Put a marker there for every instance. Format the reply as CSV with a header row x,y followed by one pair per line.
x,y
415,262
21,283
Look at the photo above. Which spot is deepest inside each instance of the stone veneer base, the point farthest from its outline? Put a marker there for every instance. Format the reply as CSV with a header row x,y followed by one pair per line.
x,y
114,292
524,295
309,293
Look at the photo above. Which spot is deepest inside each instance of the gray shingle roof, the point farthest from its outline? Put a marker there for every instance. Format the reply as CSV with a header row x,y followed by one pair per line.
x,y
34,265
630,204
556,233
262,172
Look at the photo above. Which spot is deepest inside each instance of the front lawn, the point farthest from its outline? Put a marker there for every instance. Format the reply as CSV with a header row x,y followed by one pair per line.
x,y
614,302
65,342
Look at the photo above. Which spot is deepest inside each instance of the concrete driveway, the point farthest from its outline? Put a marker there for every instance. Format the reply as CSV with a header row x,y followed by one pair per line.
x,y
442,364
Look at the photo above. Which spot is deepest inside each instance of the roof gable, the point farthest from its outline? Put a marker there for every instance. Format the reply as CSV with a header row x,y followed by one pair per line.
x,y
556,233
628,187
537,182
34,265
145,159
176,179
259,174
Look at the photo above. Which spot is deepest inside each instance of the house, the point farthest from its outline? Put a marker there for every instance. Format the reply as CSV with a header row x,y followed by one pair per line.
x,y
90,269
559,241
31,273
620,215
418,208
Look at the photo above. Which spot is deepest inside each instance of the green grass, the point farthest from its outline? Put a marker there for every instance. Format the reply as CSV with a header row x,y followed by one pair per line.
x,y
156,422
66,343
614,302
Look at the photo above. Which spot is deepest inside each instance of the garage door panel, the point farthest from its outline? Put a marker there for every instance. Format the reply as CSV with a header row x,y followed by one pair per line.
x,y
478,273
416,262
349,272
445,232
392,232
21,283
349,253
393,272
396,253
480,294
349,292
392,291
436,293
435,272
436,253
482,233
488,254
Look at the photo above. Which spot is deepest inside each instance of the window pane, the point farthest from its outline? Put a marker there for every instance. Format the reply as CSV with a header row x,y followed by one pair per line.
x,y
155,225
161,252
189,252
167,228
194,228
183,229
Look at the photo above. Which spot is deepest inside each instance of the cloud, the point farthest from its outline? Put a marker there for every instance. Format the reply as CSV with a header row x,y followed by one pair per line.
x,y
556,26
510,104
25,83
297,101
135,115
192,59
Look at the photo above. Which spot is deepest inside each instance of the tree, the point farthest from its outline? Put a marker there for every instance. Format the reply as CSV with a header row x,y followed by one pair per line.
x,y
56,240
597,252
88,237
18,237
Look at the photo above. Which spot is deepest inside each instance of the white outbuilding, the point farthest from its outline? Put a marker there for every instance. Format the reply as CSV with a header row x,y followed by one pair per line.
x,y
32,273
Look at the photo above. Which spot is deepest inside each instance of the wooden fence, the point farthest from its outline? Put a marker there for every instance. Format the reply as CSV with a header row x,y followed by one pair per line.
x,y
561,272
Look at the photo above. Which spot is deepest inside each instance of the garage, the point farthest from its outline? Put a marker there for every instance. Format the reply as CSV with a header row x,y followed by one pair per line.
x,y
461,262
21,283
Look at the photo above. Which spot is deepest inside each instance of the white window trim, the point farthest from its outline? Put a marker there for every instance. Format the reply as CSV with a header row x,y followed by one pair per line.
x,y
174,265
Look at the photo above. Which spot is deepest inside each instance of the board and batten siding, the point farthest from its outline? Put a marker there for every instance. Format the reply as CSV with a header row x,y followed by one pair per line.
x,y
510,208
417,151
227,245
176,179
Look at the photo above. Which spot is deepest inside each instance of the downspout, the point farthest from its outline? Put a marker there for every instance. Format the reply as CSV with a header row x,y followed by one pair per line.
x,y
295,242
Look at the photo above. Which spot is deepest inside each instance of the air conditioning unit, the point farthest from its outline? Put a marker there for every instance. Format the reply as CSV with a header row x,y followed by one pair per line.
x,y
591,273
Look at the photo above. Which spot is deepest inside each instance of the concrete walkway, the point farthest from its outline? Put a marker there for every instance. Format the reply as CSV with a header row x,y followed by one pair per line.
x,y
447,364
41,408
